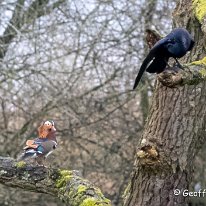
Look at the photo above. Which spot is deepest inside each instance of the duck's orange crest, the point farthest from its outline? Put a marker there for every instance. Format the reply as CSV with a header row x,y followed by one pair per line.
x,y
45,128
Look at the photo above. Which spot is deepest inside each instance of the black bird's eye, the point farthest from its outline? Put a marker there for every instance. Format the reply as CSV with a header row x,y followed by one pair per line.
x,y
171,40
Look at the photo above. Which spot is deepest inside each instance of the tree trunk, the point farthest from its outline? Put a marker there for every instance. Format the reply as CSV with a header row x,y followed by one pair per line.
x,y
175,127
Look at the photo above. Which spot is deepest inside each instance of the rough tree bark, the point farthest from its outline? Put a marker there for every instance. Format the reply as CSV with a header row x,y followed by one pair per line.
x,y
176,125
64,184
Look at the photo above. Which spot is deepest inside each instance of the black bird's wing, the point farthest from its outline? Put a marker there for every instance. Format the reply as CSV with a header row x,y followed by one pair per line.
x,y
150,59
158,65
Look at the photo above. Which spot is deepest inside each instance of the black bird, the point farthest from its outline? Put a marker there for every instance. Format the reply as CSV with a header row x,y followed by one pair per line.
x,y
176,44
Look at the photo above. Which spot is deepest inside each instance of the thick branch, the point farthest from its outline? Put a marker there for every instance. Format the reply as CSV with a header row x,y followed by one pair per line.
x,y
193,74
64,184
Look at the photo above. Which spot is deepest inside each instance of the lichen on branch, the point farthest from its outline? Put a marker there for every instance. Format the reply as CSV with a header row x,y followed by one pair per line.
x,y
200,9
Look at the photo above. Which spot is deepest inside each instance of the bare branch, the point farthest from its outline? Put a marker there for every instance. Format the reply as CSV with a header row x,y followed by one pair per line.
x,y
20,18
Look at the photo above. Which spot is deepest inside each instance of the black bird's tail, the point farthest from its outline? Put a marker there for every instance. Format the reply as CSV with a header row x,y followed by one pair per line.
x,y
152,65
147,60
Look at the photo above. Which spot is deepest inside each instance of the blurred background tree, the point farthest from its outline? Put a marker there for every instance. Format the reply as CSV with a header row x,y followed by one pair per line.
x,y
75,62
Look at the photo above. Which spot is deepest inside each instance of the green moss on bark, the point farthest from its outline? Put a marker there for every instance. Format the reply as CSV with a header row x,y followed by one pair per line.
x,y
93,202
199,62
82,188
78,191
198,68
21,164
126,191
65,176
199,9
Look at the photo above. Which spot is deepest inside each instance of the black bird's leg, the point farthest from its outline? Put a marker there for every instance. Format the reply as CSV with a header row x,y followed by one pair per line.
x,y
178,64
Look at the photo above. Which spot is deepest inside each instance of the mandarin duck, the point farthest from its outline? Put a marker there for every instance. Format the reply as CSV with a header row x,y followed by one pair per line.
x,y
40,148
